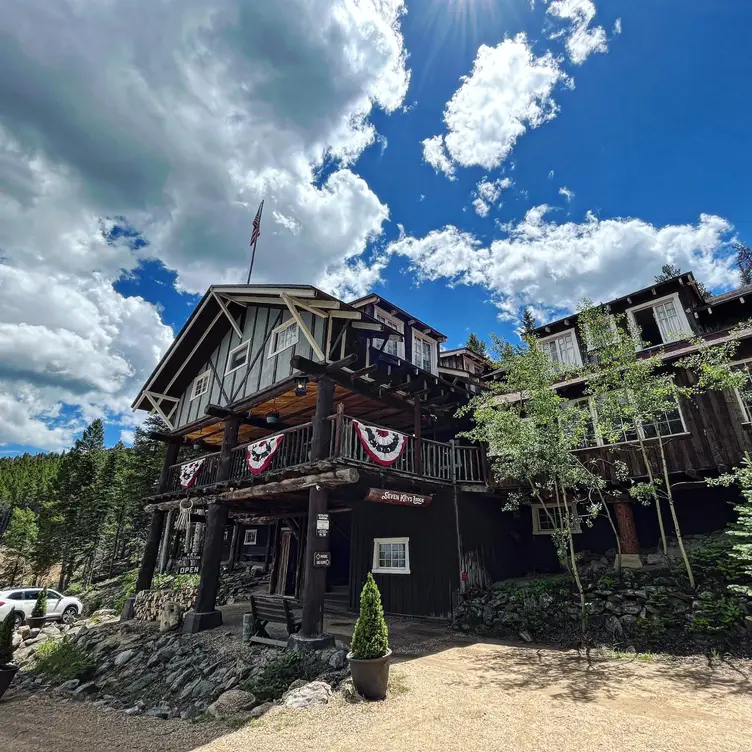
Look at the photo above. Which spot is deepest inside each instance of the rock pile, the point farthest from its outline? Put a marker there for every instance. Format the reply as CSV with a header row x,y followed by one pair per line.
x,y
238,586
150,604
142,672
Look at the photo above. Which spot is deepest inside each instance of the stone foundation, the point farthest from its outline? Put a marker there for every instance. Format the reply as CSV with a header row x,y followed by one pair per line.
x,y
149,604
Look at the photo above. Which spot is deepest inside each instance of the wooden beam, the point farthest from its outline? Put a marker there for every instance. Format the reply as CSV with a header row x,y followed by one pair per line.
x,y
309,308
303,328
156,406
227,313
163,396
330,479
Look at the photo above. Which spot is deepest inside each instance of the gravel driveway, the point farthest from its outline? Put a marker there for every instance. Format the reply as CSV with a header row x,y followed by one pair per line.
x,y
470,697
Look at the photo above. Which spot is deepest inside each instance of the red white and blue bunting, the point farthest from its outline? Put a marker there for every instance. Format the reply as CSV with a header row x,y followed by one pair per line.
x,y
260,454
189,473
383,446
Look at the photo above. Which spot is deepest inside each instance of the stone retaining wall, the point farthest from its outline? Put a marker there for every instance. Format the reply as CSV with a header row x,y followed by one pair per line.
x,y
149,603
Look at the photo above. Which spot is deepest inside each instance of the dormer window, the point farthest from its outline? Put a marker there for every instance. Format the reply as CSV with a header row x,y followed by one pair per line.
x,y
562,348
200,384
423,353
391,344
660,321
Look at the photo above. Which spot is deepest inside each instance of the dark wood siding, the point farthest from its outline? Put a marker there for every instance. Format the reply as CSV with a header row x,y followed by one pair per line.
x,y
434,572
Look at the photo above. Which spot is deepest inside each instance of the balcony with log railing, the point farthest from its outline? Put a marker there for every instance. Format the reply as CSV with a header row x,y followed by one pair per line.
x,y
446,463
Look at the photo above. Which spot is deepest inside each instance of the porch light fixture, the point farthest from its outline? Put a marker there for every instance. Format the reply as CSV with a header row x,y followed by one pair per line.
x,y
301,386
272,417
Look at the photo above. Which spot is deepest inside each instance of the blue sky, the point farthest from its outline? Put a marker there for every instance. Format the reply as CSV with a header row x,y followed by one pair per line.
x,y
620,130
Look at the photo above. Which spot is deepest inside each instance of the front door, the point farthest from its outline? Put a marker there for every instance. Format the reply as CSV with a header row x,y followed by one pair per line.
x,y
283,566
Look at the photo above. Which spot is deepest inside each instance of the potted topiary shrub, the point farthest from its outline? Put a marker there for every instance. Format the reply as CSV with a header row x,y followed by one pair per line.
x,y
39,612
7,669
369,653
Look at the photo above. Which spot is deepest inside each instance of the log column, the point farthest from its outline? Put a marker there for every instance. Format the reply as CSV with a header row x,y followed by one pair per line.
x,y
204,614
625,524
151,550
318,498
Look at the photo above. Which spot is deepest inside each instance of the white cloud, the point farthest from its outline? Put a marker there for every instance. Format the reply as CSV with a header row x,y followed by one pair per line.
x,y
487,193
617,26
127,436
551,175
549,265
180,117
568,195
435,154
508,91
582,40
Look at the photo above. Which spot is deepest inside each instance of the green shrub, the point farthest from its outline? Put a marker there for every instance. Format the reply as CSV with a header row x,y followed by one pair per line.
x,y
6,638
40,607
174,581
279,674
715,615
371,635
127,589
63,661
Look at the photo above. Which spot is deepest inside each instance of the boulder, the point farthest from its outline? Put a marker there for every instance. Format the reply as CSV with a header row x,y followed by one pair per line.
x,y
338,660
347,688
163,713
234,701
16,641
122,658
259,710
170,616
86,689
313,693
69,685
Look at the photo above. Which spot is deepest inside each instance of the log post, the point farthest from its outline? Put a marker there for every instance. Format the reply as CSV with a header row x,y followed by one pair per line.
x,y
233,547
164,551
204,614
318,497
268,551
418,443
625,524
151,550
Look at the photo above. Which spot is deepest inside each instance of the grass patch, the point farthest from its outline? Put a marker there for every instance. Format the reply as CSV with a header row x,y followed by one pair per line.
x,y
63,661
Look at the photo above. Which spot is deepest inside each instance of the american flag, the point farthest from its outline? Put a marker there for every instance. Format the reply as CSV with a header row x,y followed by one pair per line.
x,y
257,225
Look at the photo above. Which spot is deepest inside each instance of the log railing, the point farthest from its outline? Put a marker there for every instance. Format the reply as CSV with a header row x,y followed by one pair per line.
x,y
207,473
446,462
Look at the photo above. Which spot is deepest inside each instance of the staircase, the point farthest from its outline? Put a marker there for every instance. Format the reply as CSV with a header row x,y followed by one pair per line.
x,y
338,599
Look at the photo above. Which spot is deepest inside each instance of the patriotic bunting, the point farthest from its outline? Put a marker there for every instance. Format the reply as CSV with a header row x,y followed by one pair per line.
x,y
189,473
382,446
260,454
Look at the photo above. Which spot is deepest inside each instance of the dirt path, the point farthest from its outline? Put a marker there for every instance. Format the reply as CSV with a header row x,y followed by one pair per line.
x,y
472,697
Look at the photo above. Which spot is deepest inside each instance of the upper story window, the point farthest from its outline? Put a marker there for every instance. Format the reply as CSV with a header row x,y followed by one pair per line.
x,y
660,321
284,336
562,348
238,357
423,353
200,384
392,346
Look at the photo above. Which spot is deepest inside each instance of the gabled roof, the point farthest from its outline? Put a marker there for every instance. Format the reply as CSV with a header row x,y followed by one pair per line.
x,y
389,307
463,351
215,315
726,297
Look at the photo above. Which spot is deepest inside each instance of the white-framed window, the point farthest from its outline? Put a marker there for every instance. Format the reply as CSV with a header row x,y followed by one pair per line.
x,y
238,357
551,517
562,348
393,347
670,423
660,321
391,555
744,396
423,352
582,422
201,384
284,336
250,537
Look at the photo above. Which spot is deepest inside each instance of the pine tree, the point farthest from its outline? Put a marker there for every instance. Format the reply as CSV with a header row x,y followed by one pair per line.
x,y
40,607
668,271
529,324
18,543
371,636
6,638
476,345
744,262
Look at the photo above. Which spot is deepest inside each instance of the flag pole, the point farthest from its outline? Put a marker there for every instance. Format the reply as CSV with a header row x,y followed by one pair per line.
x,y
257,232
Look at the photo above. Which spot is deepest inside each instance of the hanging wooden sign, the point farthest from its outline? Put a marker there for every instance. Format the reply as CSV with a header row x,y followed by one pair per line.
x,y
402,498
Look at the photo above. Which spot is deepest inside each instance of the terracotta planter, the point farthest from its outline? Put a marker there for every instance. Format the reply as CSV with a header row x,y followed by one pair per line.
x,y
6,677
371,676
36,622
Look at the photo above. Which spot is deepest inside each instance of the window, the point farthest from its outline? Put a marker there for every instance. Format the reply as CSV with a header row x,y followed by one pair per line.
x,y
578,420
548,518
284,336
238,357
392,346
200,384
668,424
562,348
660,322
250,537
422,353
17,596
391,555
53,596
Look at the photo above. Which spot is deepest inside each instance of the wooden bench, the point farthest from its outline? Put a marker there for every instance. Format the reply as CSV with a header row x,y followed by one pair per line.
x,y
274,609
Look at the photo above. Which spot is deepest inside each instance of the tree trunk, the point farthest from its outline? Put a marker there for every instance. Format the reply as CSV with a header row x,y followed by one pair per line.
x,y
674,517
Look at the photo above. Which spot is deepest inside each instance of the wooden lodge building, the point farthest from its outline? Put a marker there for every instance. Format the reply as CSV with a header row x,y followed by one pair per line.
x,y
320,438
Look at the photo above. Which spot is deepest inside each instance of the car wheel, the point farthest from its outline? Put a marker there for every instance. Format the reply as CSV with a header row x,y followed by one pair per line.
x,y
19,619
70,614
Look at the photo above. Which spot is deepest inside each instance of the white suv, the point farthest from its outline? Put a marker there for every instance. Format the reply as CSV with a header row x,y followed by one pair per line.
x,y
59,607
